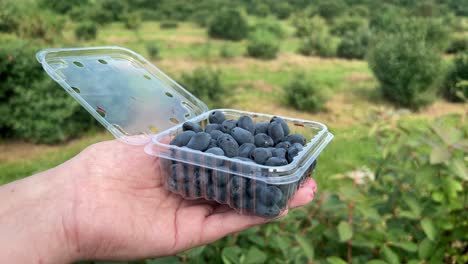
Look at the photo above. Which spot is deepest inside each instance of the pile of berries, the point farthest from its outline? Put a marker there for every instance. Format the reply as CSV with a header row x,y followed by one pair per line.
x,y
265,143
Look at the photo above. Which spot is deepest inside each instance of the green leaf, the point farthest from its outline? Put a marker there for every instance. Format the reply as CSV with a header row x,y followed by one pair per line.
x,y
406,245
428,228
231,255
414,261
344,231
425,249
335,260
376,261
458,167
439,154
165,260
414,205
306,247
195,251
452,186
389,255
254,255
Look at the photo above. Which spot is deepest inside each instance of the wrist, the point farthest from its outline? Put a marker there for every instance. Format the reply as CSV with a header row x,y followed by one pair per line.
x,y
36,219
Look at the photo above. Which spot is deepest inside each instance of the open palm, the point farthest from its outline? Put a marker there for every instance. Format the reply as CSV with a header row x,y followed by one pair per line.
x,y
122,211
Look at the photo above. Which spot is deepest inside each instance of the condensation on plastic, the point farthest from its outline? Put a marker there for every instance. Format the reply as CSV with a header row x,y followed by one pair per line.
x,y
140,105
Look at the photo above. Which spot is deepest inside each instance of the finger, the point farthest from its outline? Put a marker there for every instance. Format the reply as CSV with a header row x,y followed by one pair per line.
x,y
220,225
304,195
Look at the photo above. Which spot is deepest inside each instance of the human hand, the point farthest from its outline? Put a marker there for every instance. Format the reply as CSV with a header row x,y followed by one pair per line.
x,y
116,208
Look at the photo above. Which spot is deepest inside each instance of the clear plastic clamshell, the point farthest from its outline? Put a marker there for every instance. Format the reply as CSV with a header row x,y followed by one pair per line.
x,y
122,90
139,104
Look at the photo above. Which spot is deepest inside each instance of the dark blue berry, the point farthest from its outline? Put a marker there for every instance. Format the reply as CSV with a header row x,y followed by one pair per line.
x,y
261,155
261,127
298,146
246,149
268,194
216,117
228,125
279,153
229,145
296,138
242,136
267,211
263,141
215,134
216,151
283,124
211,127
246,123
182,139
275,131
292,152
274,161
192,126
285,145
213,144
199,141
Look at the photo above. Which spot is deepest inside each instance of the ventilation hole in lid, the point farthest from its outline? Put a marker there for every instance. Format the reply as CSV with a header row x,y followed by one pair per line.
x,y
186,105
173,120
147,77
299,125
75,89
153,129
187,115
169,94
79,64
101,111
102,61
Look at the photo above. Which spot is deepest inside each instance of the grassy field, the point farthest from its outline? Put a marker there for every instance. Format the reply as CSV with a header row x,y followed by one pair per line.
x,y
258,87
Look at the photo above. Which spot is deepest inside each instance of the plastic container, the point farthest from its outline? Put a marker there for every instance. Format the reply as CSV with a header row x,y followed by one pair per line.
x,y
140,105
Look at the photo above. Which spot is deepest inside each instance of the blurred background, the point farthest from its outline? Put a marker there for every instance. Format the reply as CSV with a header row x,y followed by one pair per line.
x,y
389,78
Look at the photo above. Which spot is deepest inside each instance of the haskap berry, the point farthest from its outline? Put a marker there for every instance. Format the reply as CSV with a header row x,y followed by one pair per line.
x,y
265,143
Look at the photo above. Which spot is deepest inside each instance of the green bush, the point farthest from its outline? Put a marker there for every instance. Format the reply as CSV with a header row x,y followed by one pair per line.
x,y
458,45
455,87
43,25
262,44
153,50
205,83
305,95
228,24
32,106
406,66
354,45
86,30
62,7
227,52
318,41
348,25
132,20
168,24
270,25
282,9
330,9
10,16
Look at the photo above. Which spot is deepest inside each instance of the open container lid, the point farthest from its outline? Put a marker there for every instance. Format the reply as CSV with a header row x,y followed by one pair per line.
x,y
126,93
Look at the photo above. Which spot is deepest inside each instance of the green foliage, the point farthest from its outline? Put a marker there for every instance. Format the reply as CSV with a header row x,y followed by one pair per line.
x,y
33,107
347,24
228,24
205,83
354,45
406,65
270,25
455,87
86,30
318,40
132,20
458,45
282,9
9,16
226,52
43,25
168,24
303,94
262,44
330,9
407,209
60,6
153,50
